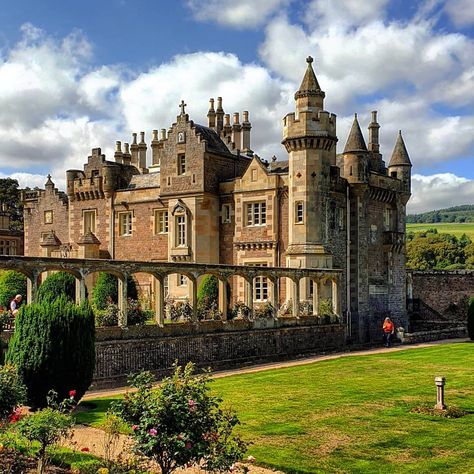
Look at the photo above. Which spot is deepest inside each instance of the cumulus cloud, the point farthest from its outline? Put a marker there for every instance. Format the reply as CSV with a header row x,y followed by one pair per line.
x,y
439,191
241,14
461,12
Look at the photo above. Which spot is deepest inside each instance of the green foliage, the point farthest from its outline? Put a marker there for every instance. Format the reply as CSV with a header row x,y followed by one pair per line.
x,y
53,348
208,291
180,422
136,315
108,316
264,311
432,250
470,318
11,284
10,196
55,284
106,290
325,308
12,391
452,214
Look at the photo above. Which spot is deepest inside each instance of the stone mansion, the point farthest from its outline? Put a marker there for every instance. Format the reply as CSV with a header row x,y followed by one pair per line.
x,y
207,197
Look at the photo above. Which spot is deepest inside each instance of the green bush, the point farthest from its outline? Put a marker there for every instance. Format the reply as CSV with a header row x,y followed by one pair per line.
x,y
470,318
12,391
180,423
53,348
106,290
58,283
108,316
11,284
208,291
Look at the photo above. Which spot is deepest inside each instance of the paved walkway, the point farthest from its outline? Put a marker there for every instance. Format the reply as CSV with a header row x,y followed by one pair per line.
x,y
291,363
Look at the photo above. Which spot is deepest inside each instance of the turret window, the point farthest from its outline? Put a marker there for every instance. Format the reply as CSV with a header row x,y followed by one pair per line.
x,y
256,214
299,212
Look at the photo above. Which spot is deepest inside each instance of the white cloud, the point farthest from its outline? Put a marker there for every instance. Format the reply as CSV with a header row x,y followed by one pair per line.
x,y
236,14
439,191
461,12
28,179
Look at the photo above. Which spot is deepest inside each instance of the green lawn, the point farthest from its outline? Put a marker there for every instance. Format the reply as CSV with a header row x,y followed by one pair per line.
x,y
352,415
455,229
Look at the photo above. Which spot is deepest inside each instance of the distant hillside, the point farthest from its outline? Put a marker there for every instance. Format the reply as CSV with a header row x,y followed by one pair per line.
x,y
451,214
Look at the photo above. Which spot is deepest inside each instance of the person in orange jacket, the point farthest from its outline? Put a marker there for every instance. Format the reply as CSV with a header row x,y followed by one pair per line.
x,y
388,330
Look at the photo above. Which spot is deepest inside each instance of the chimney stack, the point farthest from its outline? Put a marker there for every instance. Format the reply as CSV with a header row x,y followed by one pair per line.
x,y
246,127
118,155
142,153
134,150
374,145
237,132
126,157
211,115
219,116
155,144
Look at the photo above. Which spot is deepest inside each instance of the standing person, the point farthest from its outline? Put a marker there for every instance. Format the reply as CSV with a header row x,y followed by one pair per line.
x,y
388,330
15,305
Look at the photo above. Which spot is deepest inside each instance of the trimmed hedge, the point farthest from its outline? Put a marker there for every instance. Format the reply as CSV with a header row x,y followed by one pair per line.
x,y
11,284
106,290
53,348
56,284
208,291
470,318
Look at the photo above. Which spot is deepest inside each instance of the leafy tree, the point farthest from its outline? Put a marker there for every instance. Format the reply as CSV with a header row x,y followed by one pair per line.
x,y
10,198
208,291
56,284
11,284
53,348
470,318
180,423
106,290
12,391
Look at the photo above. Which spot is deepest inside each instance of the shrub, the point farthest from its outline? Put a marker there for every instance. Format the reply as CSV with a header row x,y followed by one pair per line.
x,y
53,348
470,318
58,283
11,283
181,423
136,314
242,311
325,308
108,316
265,311
106,290
208,291
12,391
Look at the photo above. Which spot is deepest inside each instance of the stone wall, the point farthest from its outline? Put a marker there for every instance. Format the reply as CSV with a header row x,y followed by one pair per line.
x,y
214,344
438,299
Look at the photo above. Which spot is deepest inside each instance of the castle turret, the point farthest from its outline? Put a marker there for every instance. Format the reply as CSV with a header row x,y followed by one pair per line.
x,y
309,137
400,164
356,156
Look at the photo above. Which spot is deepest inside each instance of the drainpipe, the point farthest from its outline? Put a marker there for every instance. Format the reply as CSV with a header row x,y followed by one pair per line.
x,y
112,228
348,264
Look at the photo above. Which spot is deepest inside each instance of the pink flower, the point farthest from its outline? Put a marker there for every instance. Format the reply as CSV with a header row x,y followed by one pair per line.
x,y
153,432
180,436
72,393
192,405
134,427
85,450
188,445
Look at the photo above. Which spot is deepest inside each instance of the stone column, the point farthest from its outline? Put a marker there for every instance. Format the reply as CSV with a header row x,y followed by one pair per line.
x,y
274,294
249,293
440,383
122,301
80,289
31,288
336,305
223,302
296,298
193,296
159,301
315,297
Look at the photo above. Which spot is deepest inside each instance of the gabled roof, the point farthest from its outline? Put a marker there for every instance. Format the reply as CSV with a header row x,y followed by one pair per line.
x,y
355,141
400,155
88,238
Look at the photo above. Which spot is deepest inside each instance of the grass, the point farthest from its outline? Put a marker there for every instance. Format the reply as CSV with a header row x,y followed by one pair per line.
x,y
445,228
352,415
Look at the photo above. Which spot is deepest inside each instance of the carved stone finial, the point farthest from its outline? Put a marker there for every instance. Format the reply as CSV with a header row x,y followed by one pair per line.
x,y
182,106
309,59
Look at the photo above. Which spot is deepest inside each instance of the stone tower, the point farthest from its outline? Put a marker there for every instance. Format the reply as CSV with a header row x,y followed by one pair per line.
x,y
309,136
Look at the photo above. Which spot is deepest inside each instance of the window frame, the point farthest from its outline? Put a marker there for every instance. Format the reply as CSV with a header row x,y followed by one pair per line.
x,y
48,213
162,221
129,231
226,214
256,214
299,212
181,164
92,212
181,238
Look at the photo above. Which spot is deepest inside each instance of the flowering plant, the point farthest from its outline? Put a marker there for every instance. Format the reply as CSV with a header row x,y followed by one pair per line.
x,y
180,423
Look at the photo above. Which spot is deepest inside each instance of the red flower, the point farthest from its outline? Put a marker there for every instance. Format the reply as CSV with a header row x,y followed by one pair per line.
x,y
188,445
72,393
85,450
134,427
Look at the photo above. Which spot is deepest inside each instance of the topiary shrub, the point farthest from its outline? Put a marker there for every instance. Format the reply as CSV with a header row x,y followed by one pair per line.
x,y
11,284
208,291
56,284
53,348
106,290
470,318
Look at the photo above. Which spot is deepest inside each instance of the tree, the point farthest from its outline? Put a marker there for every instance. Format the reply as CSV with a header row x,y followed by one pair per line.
x,y
11,283
470,318
53,348
106,290
180,423
10,198
56,284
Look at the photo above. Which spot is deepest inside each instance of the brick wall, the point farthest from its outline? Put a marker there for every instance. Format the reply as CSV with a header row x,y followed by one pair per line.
x,y
224,349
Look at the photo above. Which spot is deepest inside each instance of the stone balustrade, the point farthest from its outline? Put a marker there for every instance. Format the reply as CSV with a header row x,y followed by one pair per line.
x,y
33,267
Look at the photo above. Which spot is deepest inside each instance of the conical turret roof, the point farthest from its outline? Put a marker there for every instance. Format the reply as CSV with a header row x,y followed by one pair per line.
x,y
309,84
355,141
400,155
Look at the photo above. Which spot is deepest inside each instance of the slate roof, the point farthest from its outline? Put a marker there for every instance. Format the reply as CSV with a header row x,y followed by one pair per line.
x,y
400,155
214,142
355,141
150,180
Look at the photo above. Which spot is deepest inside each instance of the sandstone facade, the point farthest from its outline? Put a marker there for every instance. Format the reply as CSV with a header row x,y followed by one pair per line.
x,y
208,198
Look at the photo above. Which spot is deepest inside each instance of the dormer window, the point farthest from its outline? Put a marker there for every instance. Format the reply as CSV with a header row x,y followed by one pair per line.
x,y
181,163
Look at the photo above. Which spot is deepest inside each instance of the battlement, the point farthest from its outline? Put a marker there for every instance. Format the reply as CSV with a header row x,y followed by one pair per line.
x,y
311,124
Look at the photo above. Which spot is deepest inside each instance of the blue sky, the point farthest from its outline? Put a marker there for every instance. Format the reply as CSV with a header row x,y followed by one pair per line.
x,y
75,75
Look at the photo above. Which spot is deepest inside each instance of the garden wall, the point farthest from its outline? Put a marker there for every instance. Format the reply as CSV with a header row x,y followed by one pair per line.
x,y
439,298
214,344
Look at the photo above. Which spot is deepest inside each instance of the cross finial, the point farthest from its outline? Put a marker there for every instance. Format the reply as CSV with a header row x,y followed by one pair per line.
x,y
183,105
309,59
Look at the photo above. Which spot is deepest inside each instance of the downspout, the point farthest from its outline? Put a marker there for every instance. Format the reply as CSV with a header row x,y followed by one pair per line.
x,y
112,228
348,264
